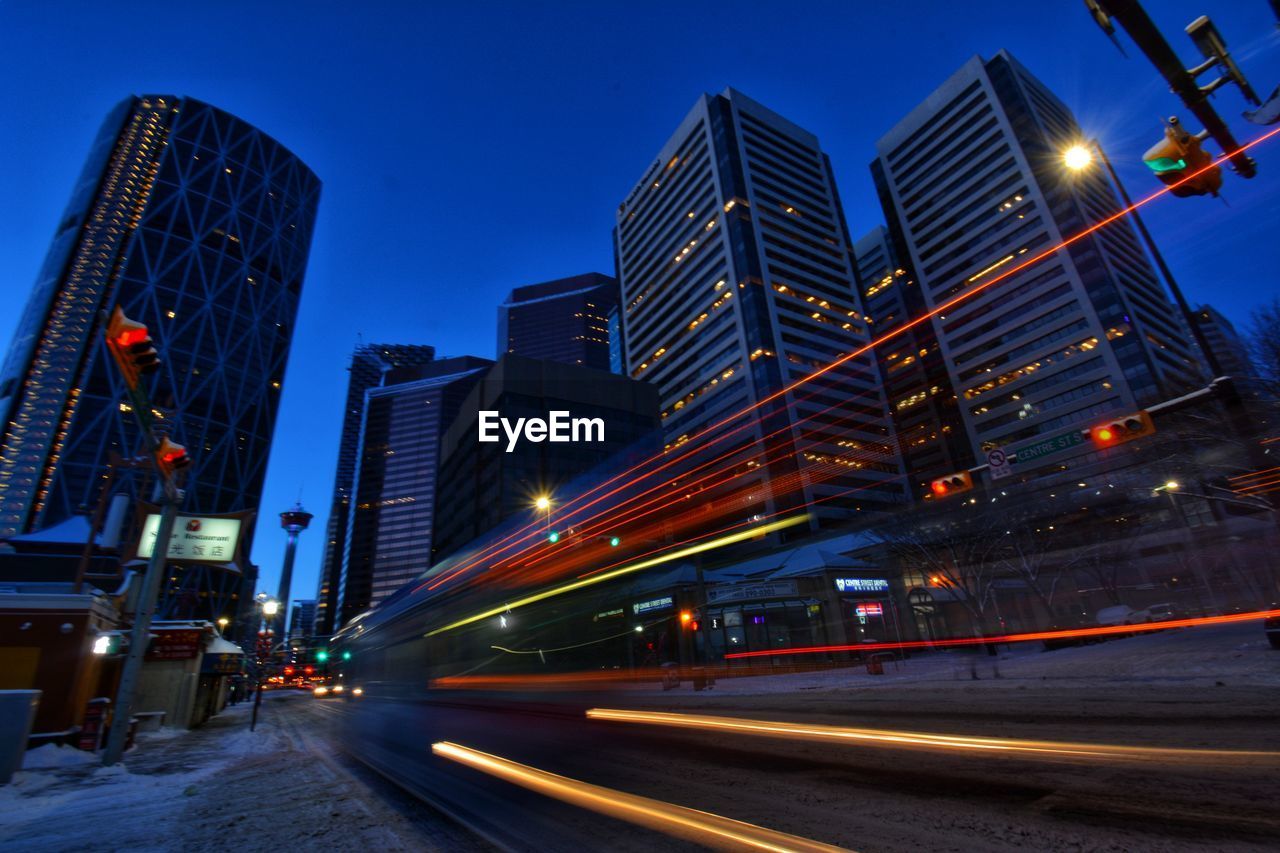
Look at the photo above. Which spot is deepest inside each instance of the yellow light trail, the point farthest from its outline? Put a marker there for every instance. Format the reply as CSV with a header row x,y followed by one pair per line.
x,y
701,826
740,536
928,740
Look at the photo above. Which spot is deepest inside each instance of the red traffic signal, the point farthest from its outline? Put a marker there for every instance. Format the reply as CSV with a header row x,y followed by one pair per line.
x,y
131,347
288,670
1178,156
952,484
171,458
1122,429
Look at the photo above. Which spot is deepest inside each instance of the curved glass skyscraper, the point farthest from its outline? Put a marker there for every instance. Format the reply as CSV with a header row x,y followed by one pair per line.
x,y
198,225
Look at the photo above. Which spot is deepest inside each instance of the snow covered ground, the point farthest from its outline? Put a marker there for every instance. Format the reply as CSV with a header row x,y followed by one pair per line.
x,y
214,788
1235,655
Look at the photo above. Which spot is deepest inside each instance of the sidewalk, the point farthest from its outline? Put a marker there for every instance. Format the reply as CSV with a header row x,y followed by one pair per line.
x,y
215,788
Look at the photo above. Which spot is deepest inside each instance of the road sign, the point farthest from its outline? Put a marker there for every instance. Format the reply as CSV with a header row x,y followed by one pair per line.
x,y
1049,446
998,463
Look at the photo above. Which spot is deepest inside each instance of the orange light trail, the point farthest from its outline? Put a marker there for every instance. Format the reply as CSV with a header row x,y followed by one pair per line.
x,y
535,524
693,824
932,741
1103,631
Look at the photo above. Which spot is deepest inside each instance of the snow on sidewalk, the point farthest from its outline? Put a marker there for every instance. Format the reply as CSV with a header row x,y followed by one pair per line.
x,y
215,787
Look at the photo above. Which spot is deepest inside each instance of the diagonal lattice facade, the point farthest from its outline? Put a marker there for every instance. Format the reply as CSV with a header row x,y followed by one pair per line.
x,y
198,225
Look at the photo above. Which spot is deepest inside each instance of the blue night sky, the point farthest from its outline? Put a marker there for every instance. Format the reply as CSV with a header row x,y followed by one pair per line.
x,y
466,148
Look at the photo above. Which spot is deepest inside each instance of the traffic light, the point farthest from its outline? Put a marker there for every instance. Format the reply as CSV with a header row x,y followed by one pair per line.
x,y
553,537
1122,429
615,541
686,617
346,655
288,670
322,655
952,484
1178,155
131,347
171,458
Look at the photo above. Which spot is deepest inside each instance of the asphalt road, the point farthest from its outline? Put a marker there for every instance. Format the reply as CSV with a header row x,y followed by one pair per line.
x,y
879,797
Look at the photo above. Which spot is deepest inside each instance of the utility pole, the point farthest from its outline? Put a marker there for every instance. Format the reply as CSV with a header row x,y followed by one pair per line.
x,y
131,347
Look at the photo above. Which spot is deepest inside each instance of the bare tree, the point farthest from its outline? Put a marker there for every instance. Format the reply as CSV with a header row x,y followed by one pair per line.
x,y
1264,346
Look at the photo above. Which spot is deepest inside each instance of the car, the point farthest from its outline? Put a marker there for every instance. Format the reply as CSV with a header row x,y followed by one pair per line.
x,y
1161,613
1119,614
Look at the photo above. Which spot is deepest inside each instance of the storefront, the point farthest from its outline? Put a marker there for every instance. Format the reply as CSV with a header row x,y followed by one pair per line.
x,y
759,616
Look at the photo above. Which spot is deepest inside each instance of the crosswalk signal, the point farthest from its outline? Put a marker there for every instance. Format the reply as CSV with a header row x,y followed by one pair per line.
x,y
131,347
1179,155
1122,429
952,484
171,458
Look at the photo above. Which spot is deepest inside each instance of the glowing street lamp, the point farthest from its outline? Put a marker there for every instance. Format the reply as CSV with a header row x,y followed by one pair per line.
x,y
270,607
543,503
1077,157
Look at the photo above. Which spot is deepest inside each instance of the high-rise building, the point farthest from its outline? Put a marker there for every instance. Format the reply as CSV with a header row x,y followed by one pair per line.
x,y
1230,348
302,621
922,403
369,365
198,225
973,183
565,320
390,519
481,484
736,278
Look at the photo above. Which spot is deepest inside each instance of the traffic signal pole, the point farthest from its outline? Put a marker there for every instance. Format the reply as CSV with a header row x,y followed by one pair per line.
x,y
1130,15
130,347
140,635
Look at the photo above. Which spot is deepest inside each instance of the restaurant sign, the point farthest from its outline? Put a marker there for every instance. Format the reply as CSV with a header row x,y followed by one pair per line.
x,y
751,592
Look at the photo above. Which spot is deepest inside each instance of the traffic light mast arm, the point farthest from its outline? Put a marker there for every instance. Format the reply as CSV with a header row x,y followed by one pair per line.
x,y
1130,15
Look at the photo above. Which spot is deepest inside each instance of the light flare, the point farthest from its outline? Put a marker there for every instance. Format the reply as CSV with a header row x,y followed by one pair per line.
x,y
700,826
929,740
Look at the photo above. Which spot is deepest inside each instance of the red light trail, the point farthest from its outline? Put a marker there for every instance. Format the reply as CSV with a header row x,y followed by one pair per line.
x,y
1070,634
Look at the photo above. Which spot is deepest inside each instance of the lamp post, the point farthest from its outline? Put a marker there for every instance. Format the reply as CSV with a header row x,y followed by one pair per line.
x,y
1079,157
269,607
543,504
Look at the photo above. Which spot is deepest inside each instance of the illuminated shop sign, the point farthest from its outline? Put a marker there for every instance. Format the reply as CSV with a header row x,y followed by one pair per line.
x,y
653,604
774,589
869,608
194,538
862,585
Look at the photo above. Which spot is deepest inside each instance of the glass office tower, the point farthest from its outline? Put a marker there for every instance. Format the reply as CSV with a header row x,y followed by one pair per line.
x,y
737,280
973,183
198,225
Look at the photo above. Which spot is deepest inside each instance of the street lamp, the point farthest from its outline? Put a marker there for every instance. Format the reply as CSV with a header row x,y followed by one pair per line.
x,y
1077,157
270,607
543,503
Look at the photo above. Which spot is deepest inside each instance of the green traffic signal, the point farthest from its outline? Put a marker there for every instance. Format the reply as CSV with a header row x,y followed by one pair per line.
x,y
322,656
346,655
553,537
614,541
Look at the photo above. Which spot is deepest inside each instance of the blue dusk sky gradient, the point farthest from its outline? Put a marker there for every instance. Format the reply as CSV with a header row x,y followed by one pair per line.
x,y
466,148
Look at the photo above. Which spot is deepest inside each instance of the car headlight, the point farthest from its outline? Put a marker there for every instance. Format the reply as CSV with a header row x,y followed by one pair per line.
x,y
320,691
